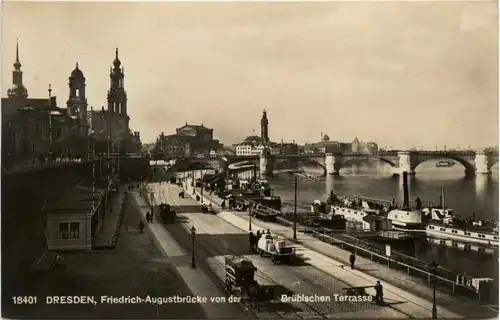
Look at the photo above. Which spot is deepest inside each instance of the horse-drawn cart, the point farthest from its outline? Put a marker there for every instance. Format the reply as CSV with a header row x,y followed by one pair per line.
x,y
240,275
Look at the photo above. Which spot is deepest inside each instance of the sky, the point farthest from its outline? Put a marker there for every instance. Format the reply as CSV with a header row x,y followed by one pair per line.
x,y
403,74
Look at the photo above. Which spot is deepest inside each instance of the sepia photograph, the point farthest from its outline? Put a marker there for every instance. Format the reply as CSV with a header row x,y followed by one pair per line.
x,y
250,160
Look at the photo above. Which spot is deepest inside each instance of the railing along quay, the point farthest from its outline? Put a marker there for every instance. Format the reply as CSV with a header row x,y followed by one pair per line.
x,y
444,283
445,279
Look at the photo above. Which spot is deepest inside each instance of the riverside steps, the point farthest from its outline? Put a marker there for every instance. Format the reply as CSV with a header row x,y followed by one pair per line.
x,y
337,259
178,253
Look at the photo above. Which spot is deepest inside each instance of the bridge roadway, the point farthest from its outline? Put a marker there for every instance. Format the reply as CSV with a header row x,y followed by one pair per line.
x,y
216,237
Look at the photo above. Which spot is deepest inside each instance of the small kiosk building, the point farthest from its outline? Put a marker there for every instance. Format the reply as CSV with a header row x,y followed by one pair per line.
x,y
72,220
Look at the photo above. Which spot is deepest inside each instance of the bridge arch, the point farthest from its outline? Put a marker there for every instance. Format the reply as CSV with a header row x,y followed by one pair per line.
x,y
297,162
367,158
469,167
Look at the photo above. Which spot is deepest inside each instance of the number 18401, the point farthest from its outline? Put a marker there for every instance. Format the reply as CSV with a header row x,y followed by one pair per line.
x,y
24,300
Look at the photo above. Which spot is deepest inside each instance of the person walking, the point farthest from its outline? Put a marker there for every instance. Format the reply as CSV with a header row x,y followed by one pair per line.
x,y
148,216
251,240
379,293
141,226
352,259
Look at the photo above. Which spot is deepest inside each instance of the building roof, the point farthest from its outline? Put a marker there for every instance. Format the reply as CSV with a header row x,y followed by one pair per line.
x,y
195,127
79,200
77,73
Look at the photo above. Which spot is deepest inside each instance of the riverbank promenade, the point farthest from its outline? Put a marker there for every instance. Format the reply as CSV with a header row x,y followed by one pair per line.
x,y
334,261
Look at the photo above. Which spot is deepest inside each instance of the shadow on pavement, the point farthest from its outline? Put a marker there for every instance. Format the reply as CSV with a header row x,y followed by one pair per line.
x,y
133,268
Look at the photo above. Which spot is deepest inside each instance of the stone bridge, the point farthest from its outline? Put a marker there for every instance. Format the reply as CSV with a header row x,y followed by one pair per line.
x,y
474,162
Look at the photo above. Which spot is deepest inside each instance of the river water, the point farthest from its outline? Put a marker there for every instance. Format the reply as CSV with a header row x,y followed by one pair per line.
x,y
479,194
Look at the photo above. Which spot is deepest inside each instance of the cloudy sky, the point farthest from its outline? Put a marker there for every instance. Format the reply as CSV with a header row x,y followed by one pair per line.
x,y
402,74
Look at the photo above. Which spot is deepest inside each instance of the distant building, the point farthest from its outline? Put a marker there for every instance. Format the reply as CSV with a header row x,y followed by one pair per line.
x,y
327,146
188,141
251,148
33,129
253,145
173,146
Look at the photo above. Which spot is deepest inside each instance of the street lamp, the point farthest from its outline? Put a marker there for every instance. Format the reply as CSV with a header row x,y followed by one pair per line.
x,y
250,217
434,268
193,232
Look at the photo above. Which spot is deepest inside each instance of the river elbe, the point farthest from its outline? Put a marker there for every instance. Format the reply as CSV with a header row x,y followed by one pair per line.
x,y
465,195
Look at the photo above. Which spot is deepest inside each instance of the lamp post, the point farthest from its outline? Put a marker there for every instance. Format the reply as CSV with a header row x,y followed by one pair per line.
x,y
434,268
201,186
50,123
295,210
193,233
250,209
33,153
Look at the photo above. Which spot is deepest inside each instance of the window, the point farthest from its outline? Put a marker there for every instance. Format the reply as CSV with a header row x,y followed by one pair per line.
x,y
63,230
69,230
77,92
74,230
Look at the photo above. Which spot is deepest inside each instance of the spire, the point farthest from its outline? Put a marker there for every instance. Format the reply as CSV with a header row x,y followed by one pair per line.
x,y
50,96
117,61
17,64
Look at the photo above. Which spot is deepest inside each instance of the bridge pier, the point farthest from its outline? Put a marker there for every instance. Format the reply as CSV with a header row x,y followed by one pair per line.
x,y
266,164
482,163
407,162
333,163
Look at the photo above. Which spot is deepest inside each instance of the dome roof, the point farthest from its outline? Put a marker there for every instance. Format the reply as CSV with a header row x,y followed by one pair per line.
x,y
77,73
326,138
17,90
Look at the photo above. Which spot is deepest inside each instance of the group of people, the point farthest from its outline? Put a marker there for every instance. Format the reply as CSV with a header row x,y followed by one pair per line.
x,y
149,217
254,239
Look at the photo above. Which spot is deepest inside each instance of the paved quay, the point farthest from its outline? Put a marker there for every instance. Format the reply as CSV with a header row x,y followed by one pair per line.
x,y
316,250
134,268
177,253
217,238
105,234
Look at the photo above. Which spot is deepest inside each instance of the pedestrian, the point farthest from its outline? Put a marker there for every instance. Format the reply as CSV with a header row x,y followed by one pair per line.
x,y
251,240
141,226
258,235
379,293
352,259
148,216
268,232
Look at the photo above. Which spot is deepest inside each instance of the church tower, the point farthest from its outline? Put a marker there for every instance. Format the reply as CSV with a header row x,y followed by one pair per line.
x,y
77,102
117,106
117,97
18,90
264,123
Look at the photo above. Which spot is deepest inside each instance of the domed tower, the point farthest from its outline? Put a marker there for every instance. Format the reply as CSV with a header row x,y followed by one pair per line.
x,y
264,126
18,90
77,102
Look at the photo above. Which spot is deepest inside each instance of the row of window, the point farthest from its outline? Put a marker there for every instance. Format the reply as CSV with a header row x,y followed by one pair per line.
x,y
69,230
479,235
